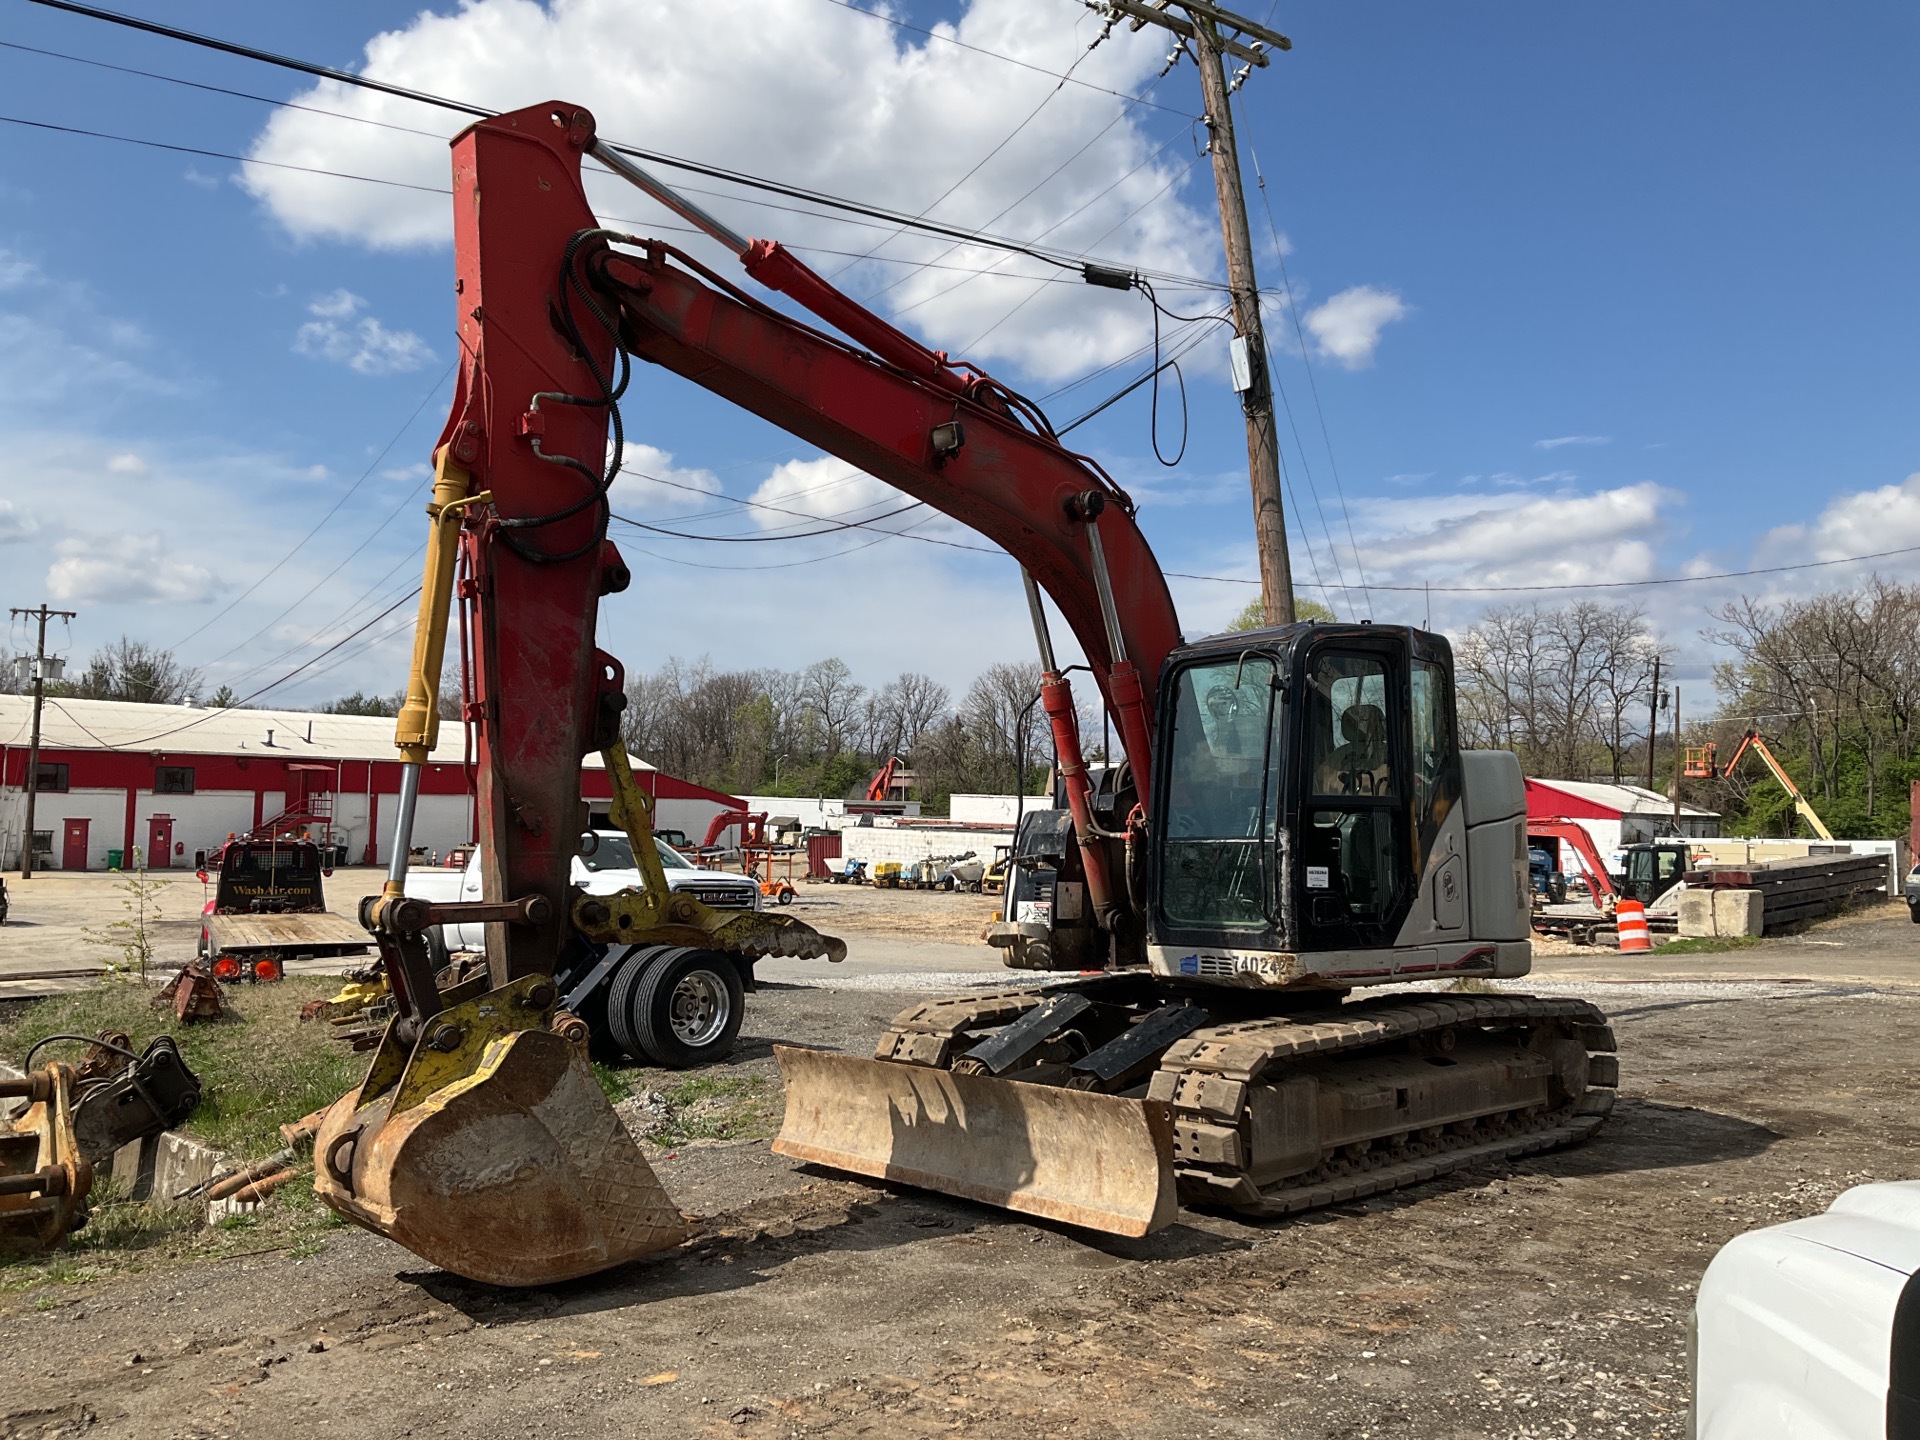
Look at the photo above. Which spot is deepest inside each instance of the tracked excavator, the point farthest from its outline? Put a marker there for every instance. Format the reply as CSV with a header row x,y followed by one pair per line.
x,y
1294,820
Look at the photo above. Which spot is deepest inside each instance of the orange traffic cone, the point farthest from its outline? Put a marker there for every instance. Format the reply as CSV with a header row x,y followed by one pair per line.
x,y
1630,919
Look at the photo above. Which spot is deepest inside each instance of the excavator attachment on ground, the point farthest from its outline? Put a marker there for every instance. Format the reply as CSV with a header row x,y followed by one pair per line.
x,y
489,1149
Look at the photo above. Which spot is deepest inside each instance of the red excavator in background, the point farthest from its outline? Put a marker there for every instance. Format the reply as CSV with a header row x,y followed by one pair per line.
x,y
881,786
1294,819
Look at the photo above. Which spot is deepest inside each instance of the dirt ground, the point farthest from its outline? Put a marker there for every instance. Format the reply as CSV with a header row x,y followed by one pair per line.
x,y
1549,1300
56,916
918,914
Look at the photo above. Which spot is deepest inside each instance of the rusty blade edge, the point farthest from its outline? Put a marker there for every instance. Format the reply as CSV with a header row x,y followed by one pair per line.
x,y
1106,1221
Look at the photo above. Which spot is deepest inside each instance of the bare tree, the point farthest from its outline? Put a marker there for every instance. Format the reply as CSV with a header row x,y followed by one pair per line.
x,y
129,669
833,699
1562,687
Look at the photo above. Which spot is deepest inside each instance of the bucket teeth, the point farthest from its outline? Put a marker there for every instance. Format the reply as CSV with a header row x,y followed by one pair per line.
x,y
759,936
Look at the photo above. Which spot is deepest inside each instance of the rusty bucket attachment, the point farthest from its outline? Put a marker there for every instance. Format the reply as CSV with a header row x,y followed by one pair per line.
x,y
1097,1161
192,994
488,1148
44,1179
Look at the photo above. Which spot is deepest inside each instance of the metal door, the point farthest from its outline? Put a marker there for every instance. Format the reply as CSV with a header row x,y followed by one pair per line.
x,y
159,842
73,845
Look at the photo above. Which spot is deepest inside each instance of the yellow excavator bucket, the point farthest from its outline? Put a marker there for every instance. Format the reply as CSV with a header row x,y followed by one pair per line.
x,y
489,1149
1097,1161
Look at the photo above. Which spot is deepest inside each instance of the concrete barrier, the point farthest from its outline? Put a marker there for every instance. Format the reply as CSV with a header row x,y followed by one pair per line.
x,y
1697,915
1738,912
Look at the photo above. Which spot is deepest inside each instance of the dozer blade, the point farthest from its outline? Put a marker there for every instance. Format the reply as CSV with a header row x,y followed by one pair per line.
x,y
491,1151
1097,1161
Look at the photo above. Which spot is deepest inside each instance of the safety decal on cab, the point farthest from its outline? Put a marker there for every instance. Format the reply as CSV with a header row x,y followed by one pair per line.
x,y
1319,877
1189,964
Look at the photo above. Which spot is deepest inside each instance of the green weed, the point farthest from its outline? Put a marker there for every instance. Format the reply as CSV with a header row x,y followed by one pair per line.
x,y
260,1068
1707,944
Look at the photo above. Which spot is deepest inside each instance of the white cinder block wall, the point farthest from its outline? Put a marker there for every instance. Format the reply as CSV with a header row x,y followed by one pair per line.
x,y
883,842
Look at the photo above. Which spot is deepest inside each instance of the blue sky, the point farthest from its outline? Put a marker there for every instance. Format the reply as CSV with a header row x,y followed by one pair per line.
x,y
1675,240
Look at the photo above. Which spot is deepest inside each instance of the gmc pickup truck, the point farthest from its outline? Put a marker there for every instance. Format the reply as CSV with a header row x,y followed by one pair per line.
x,y
668,1005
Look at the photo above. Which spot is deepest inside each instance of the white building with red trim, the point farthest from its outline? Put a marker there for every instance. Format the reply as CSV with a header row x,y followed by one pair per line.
x,y
172,779
1616,816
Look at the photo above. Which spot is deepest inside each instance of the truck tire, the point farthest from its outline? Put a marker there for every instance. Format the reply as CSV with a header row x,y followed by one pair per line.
x,y
623,992
688,1007
437,955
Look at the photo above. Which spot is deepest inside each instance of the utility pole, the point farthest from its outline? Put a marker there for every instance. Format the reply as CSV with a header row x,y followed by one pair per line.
x,y
42,614
1201,29
1653,718
1677,753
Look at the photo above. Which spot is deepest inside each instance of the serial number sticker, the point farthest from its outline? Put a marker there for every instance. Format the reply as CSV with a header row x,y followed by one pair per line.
x,y
1318,877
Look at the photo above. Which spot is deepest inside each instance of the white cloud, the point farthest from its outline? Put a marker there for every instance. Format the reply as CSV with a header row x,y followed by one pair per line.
x,y
1543,540
1558,440
649,480
337,305
122,568
826,487
16,273
881,118
1347,326
360,342
1858,522
127,463
15,523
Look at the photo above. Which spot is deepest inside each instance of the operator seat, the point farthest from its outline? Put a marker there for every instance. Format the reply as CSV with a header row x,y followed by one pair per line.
x,y
1360,765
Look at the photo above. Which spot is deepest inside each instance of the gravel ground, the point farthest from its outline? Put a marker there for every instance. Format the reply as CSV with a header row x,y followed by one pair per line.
x,y
1548,1300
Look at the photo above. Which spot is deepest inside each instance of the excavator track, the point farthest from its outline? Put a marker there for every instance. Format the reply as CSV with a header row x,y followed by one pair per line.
x,y
1250,1099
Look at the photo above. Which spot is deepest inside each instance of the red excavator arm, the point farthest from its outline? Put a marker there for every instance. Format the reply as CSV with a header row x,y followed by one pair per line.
x,y
882,782
753,828
545,294
1599,882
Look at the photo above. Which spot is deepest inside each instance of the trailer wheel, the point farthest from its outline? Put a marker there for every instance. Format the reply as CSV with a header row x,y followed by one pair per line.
x,y
688,1008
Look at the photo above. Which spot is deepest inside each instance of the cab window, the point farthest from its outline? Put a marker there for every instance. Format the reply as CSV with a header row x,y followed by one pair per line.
x,y
1350,752
1352,869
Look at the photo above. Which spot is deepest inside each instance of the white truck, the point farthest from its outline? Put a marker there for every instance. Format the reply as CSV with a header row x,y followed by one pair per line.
x,y
670,1005
1811,1330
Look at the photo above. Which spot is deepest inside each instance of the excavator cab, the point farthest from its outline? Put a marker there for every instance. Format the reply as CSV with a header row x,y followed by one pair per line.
x,y
1654,869
1305,776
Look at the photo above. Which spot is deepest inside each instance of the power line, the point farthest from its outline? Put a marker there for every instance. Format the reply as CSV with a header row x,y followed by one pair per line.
x,y
1293,312
1592,584
222,90
148,740
1032,190
651,223
983,161
831,529
332,510
1060,258
214,154
1065,79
